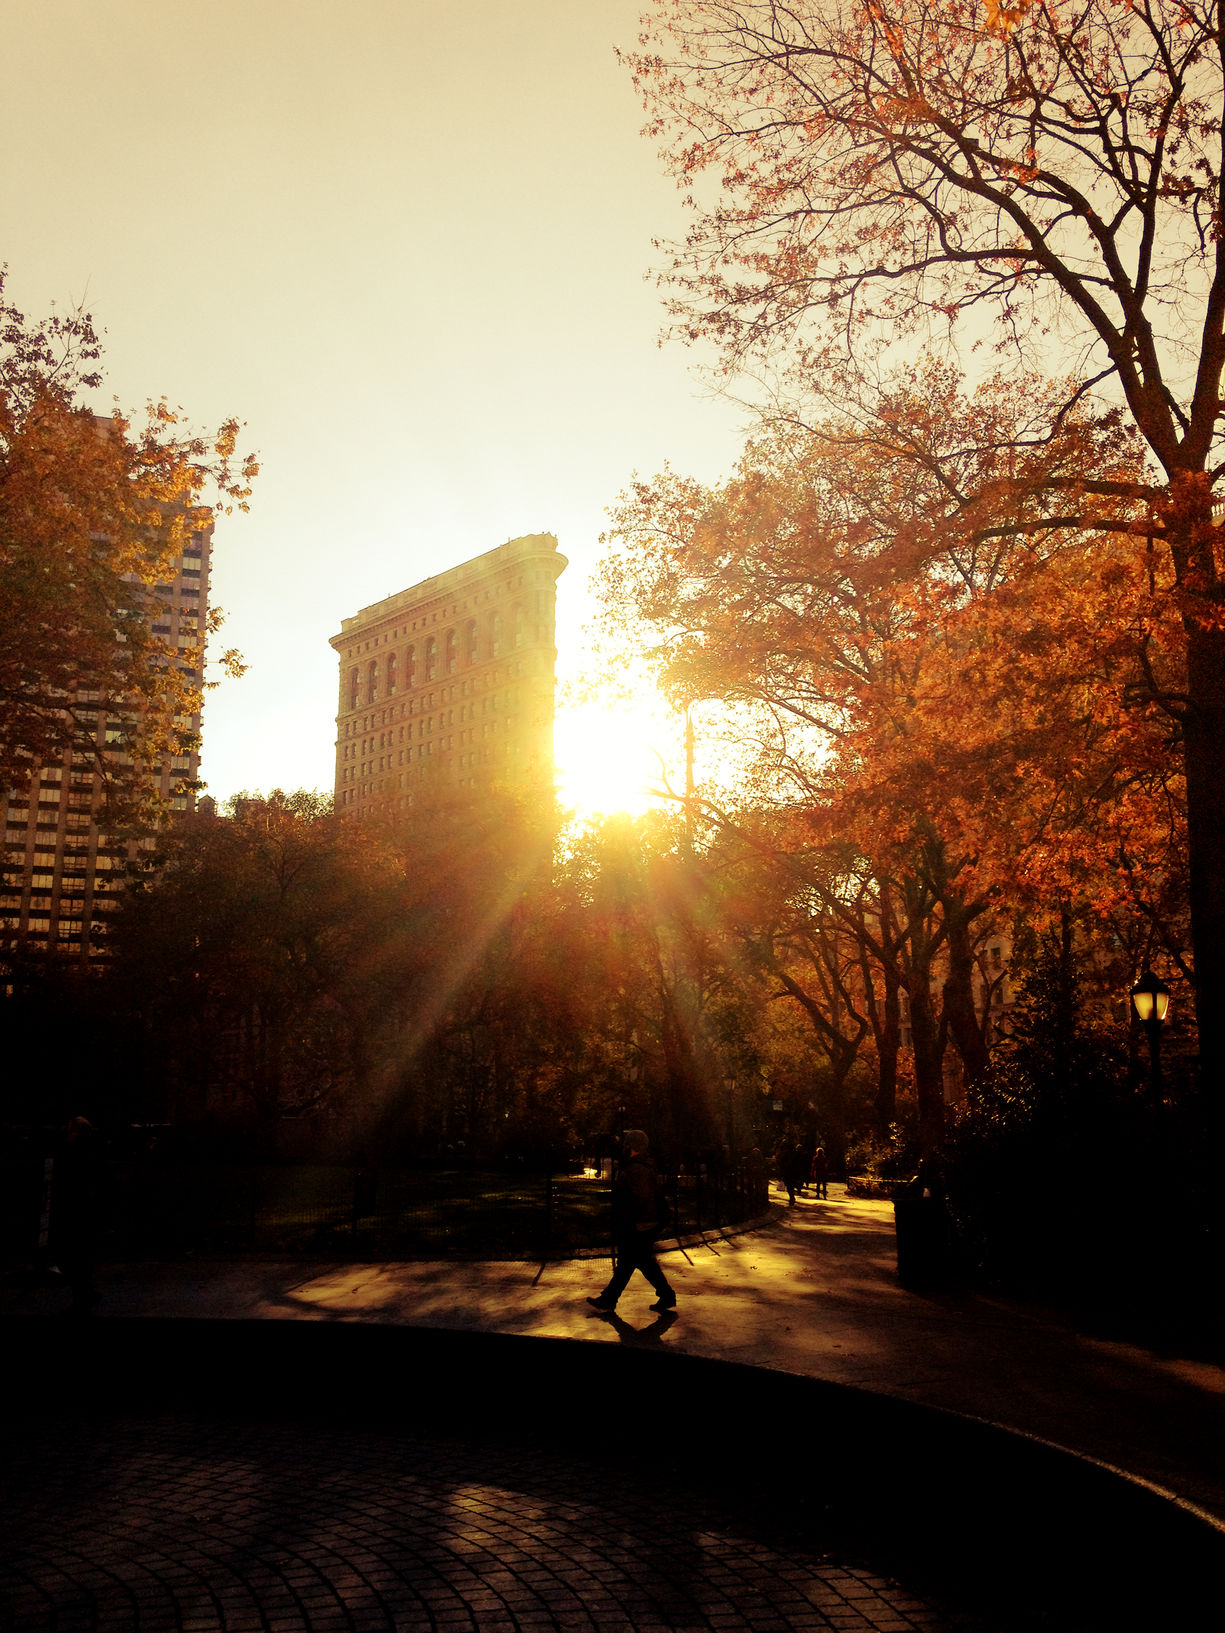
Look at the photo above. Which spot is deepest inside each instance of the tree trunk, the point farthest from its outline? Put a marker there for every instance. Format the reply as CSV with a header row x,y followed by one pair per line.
x,y
1205,765
964,1026
888,1043
927,1035
886,1021
928,1062
841,1059
1065,1016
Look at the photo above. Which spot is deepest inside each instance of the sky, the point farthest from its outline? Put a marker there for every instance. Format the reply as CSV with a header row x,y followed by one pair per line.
x,y
410,246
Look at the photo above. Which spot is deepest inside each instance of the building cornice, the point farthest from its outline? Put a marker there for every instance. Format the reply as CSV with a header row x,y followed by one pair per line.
x,y
538,548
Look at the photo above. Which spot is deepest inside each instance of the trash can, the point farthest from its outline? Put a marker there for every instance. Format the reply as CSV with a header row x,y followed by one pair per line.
x,y
924,1238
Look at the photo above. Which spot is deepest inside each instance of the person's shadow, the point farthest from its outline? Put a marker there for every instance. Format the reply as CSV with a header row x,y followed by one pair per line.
x,y
644,1337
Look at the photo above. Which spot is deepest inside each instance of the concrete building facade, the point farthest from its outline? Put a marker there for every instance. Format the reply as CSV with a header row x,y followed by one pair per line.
x,y
62,866
449,684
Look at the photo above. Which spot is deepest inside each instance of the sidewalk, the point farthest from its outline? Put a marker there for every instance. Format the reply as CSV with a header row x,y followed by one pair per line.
x,y
815,1294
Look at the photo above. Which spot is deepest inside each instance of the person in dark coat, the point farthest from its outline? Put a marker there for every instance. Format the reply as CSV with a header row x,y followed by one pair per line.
x,y
635,1223
792,1167
818,1176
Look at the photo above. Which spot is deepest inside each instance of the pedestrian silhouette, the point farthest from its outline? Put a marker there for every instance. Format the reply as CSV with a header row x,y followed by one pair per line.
x,y
819,1174
792,1167
635,1225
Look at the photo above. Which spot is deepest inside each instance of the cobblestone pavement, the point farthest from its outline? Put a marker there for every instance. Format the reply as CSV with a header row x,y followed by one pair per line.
x,y
131,1520
182,1523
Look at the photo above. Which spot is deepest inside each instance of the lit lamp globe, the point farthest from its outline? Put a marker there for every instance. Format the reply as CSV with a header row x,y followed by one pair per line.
x,y
1151,998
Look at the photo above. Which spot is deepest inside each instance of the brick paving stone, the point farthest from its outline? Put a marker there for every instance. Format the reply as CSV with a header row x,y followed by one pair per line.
x,y
196,1526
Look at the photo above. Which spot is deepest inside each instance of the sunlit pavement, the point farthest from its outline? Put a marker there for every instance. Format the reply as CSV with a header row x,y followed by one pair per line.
x,y
815,1294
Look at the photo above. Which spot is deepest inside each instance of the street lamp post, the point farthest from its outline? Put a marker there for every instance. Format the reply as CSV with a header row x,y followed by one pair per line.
x,y
1151,999
729,1089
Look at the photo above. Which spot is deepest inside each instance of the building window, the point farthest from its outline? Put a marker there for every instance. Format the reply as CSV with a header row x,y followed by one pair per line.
x,y
451,651
391,674
495,635
353,689
372,681
431,659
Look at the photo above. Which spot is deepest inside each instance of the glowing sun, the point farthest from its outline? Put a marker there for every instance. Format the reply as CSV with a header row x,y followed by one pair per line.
x,y
609,759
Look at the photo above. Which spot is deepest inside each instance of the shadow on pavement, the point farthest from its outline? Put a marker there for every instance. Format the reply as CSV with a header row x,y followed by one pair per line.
x,y
994,1520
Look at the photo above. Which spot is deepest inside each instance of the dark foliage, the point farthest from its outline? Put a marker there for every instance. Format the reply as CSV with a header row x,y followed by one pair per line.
x,y
1064,1177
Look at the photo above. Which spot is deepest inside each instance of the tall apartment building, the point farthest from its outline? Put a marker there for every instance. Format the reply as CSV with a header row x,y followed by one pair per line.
x,y
449,684
61,864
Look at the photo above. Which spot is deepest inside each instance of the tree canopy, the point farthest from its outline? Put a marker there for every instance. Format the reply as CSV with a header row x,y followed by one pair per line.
x,y
1040,180
94,512
1054,168
934,631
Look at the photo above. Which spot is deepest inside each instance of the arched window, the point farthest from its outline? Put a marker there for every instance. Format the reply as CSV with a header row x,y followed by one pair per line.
x,y
431,659
353,688
495,635
451,652
372,681
391,674
470,641
410,667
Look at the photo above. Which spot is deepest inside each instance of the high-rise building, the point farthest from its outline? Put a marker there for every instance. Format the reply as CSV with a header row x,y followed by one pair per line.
x,y
62,863
449,684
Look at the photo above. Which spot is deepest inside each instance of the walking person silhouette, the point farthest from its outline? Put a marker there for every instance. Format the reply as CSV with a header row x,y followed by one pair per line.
x,y
635,1223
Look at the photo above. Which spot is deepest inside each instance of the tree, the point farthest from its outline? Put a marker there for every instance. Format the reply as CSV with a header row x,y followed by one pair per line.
x,y
446,981
462,1053
843,939
797,924
252,949
660,988
93,512
936,657
892,169
289,962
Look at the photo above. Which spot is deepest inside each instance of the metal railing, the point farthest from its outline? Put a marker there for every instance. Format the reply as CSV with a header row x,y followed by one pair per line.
x,y
153,1208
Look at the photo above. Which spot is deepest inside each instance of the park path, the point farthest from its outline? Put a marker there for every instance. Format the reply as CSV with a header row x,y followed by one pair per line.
x,y
815,1293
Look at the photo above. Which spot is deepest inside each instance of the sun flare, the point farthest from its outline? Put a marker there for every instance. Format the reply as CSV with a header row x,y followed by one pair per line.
x,y
612,759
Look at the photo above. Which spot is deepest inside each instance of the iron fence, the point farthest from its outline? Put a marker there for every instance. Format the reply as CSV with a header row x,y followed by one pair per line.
x,y
143,1209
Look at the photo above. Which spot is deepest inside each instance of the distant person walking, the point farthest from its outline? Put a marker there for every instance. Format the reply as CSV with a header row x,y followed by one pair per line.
x,y
635,1223
818,1176
792,1168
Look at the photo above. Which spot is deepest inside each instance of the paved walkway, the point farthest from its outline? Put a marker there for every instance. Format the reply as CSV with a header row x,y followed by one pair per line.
x,y
815,1294
266,1527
